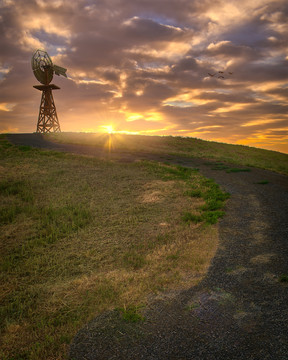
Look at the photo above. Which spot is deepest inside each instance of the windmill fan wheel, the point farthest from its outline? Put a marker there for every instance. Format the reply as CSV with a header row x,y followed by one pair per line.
x,y
42,67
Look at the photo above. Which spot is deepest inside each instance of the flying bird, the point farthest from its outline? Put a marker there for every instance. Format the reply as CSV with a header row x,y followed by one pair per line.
x,y
220,76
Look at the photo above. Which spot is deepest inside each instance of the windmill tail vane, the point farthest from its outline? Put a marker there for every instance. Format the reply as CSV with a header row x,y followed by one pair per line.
x,y
58,70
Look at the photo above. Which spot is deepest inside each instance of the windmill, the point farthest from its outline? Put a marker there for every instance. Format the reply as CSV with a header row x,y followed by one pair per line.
x,y
44,69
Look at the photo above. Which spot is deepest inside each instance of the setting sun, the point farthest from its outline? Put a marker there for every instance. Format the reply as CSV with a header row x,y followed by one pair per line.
x,y
108,129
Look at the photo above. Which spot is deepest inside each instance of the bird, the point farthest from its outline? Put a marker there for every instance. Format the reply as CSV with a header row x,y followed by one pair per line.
x,y
221,76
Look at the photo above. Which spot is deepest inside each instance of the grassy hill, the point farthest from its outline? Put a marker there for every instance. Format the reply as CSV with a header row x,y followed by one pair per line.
x,y
189,147
80,236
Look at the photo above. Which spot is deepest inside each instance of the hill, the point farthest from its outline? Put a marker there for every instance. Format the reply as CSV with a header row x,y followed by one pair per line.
x,y
180,146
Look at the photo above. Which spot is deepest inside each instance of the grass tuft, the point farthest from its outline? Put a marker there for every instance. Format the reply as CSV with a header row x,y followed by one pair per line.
x,y
263,182
133,260
194,193
189,217
131,314
212,204
220,167
211,217
283,278
236,170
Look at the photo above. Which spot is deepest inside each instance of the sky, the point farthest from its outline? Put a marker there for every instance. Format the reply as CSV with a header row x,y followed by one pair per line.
x,y
211,69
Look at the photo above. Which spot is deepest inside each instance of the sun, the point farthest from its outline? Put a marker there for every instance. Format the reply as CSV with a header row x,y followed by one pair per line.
x,y
108,129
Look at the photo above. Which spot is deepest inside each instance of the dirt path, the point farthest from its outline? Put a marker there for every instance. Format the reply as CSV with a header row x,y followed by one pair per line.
x,y
240,309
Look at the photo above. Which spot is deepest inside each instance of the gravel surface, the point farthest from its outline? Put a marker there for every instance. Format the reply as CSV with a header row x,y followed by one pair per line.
x,y
239,310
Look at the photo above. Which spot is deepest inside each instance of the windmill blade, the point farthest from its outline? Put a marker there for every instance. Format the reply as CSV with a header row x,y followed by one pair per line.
x,y
42,66
58,70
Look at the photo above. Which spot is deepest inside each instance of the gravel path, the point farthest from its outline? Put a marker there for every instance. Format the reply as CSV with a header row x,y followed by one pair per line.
x,y
239,310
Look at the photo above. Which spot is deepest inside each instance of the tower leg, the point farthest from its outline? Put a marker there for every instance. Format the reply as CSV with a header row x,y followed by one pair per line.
x,y
47,119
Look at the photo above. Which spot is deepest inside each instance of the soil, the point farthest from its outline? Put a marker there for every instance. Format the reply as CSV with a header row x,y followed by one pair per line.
x,y
239,310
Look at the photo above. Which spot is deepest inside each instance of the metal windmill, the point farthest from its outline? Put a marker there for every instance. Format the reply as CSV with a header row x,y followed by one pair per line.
x,y
44,69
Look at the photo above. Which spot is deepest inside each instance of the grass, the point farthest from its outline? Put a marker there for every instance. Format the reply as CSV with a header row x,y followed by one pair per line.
x,y
236,170
228,169
211,210
283,278
80,236
187,147
131,314
263,182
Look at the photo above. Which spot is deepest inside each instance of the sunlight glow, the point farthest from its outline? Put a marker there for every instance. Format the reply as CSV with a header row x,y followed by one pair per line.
x,y
134,117
108,129
258,122
229,108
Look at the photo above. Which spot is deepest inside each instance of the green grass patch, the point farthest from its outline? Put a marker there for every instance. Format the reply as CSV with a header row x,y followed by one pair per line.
x,y
283,278
25,148
227,168
194,193
192,306
263,182
189,217
214,199
9,214
131,314
170,172
20,188
212,204
211,217
220,167
236,170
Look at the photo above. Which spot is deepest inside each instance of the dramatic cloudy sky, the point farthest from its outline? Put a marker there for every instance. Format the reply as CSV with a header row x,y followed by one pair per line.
x,y
142,66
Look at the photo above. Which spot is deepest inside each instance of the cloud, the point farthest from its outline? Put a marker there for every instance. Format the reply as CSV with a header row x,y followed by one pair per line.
x,y
143,66
144,30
